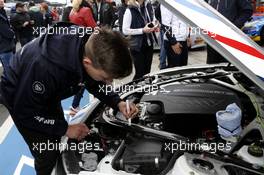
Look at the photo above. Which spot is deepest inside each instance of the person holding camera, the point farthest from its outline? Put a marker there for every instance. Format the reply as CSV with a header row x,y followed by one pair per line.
x,y
139,23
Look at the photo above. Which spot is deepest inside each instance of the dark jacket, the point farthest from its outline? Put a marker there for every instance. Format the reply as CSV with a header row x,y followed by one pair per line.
x,y
66,14
43,73
237,11
37,16
7,42
17,22
121,12
48,19
138,21
105,15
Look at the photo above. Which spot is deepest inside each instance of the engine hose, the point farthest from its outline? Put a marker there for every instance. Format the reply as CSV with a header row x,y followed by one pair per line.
x,y
170,165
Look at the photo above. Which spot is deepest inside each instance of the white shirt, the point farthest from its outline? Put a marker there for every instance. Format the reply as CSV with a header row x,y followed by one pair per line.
x,y
127,19
180,30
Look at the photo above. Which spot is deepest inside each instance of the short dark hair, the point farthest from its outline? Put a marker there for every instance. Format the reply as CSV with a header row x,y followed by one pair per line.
x,y
20,4
109,51
31,3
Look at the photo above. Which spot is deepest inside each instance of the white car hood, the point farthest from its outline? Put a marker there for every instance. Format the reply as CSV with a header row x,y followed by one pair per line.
x,y
223,36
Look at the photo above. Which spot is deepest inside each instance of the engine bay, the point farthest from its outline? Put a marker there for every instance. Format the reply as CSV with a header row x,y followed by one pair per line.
x,y
176,130
172,107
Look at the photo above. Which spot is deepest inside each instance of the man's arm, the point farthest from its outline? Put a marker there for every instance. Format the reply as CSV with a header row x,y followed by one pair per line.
x,y
41,123
127,19
38,112
5,30
245,11
51,125
16,23
35,105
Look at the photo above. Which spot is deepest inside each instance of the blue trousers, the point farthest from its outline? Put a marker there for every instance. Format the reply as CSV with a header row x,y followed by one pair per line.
x,y
5,58
163,54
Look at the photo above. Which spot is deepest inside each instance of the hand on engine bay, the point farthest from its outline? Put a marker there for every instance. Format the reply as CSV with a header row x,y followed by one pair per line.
x,y
129,110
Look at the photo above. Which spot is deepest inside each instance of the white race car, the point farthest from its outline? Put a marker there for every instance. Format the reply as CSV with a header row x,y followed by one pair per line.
x,y
199,120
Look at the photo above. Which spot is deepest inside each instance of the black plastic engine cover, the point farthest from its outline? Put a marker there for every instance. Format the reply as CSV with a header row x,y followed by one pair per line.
x,y
190,109
193,98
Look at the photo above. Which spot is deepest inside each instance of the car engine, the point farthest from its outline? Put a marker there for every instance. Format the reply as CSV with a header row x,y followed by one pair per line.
x,y
176,131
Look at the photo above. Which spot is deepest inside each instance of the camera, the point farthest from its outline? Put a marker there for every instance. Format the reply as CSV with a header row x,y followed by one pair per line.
x,y
150,25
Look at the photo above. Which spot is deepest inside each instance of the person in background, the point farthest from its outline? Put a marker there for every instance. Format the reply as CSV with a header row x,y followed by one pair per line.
x,y
163,54
12,11
81,14
140,24
121,12
66,12
90,4
103,13
115,14
7,37
22,24
238,12
47,18
55,14
36,16
176,33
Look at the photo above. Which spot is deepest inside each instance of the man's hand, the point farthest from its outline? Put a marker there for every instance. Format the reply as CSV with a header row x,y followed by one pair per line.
x,y
25,24
123,108
177,48
157,26
77,131
157,29
73,111
147,29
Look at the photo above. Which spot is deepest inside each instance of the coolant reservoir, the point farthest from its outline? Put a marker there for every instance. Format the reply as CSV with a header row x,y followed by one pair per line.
x,y
252,154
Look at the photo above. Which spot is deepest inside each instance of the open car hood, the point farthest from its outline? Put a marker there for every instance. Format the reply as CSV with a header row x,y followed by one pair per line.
x,y
223,36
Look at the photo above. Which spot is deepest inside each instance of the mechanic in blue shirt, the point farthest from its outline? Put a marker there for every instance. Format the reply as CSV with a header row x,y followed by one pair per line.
x,y
49,69
238,12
